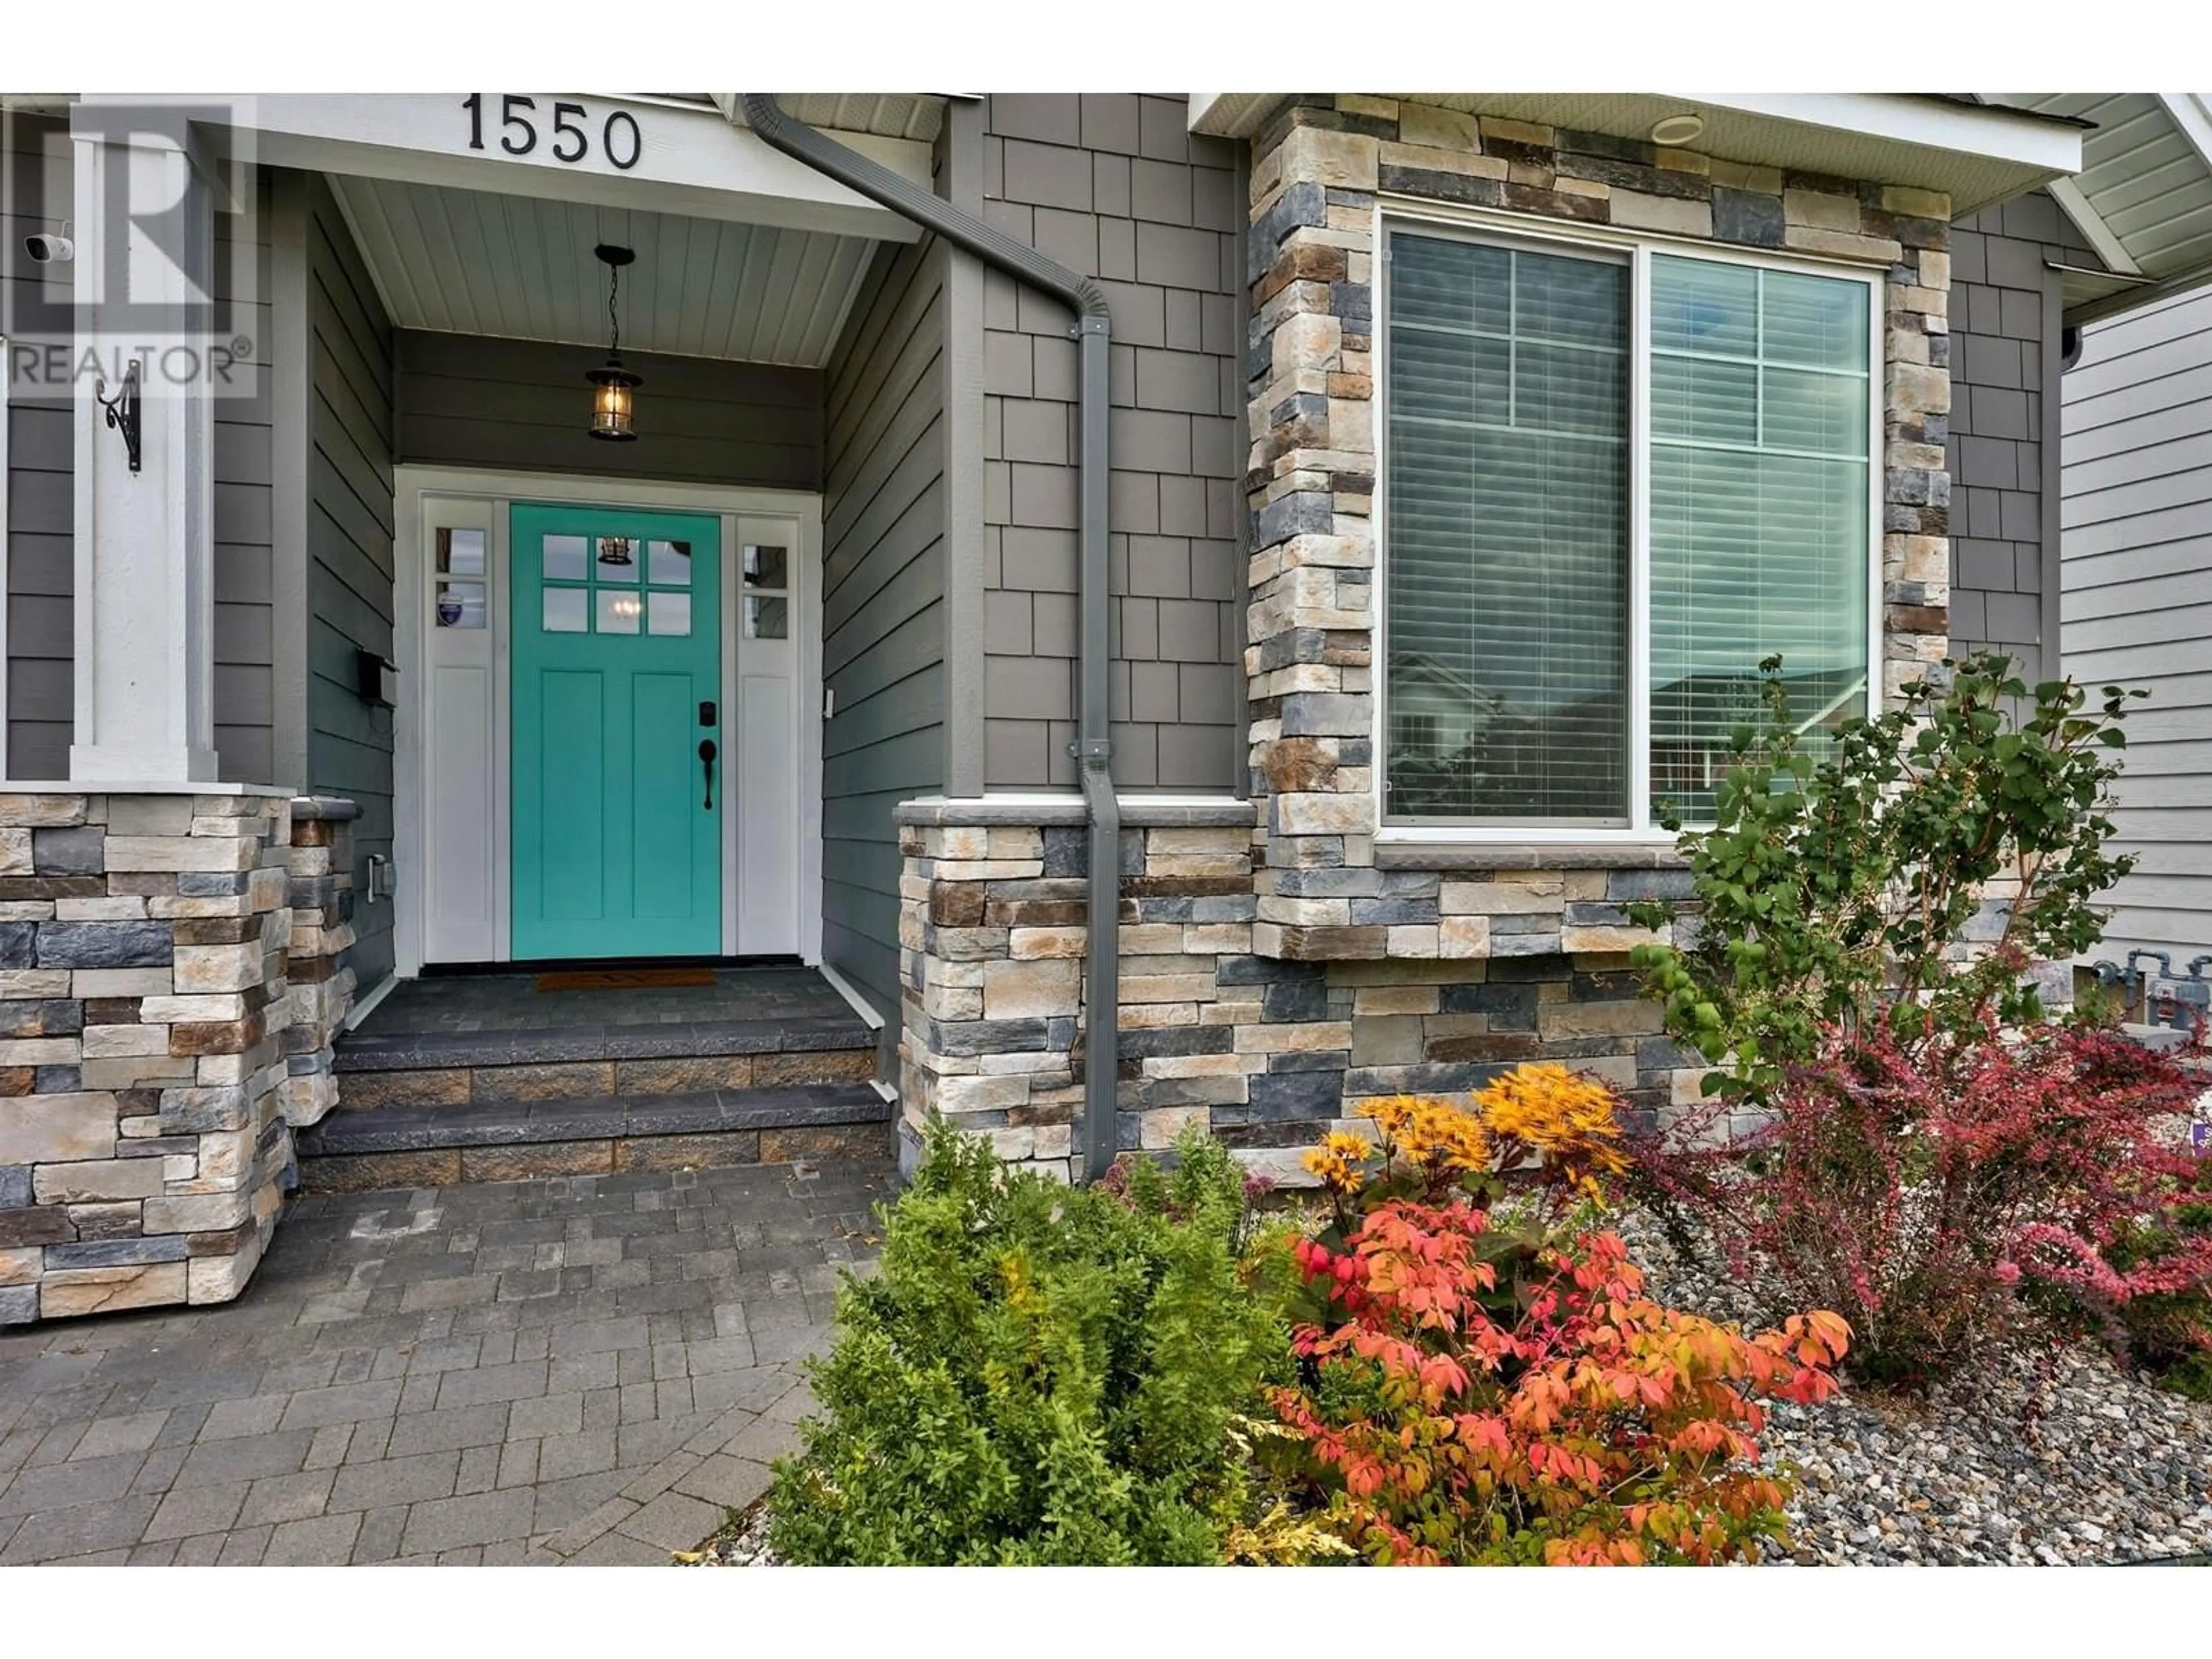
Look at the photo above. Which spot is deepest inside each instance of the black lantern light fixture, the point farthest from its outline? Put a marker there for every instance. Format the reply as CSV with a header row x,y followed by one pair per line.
x,y
613,401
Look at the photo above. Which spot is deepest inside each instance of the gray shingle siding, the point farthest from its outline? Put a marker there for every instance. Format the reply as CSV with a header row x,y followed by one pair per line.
x,y
2137,594
882,602
1114,187
2004,325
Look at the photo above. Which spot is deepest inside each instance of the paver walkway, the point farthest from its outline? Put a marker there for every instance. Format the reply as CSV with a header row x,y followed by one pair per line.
x,y
582,1370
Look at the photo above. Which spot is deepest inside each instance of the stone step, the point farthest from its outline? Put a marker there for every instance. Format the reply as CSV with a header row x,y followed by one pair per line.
x,y
583,1060
354,1149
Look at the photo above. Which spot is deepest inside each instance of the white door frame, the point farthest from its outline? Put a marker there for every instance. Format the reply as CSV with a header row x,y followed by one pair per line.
x,y
412,485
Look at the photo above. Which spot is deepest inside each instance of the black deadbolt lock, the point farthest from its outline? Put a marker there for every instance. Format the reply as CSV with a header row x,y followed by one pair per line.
x,y
708,713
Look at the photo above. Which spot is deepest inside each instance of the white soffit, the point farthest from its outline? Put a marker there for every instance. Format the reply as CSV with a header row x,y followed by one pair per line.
x,y
471,262
1975,156
918,116
2143,197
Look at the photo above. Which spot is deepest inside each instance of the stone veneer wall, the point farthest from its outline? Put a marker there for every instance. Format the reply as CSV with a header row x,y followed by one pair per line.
x,y
1267,1054
146,1096
1280,964
1317,174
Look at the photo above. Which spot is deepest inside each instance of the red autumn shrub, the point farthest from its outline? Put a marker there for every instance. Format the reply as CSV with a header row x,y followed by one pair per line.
x,y
1578,1423
1946,1196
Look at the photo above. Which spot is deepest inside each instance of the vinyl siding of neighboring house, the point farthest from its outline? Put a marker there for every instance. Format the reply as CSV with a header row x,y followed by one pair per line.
x,y
2138,597
2005,321
1115,186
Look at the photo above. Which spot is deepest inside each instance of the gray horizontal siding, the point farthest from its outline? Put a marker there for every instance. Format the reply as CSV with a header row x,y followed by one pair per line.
x,y
41,514
2138,597
41,517
41,574
244,679
349,550
522,405
882,602
1115,186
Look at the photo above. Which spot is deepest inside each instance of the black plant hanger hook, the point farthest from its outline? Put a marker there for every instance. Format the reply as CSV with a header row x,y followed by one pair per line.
x,y
122,409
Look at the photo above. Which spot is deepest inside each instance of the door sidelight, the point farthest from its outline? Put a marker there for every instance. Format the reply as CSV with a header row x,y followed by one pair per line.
x,y
706,752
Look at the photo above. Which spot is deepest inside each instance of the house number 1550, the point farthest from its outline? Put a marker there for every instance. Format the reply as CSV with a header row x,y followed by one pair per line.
x,y
568,137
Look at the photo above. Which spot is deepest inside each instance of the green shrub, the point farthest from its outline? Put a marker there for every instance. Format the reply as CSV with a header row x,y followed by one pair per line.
x,y
1833,893
1040,1374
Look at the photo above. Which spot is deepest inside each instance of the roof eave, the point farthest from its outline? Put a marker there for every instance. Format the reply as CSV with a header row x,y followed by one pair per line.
x,y
1974,154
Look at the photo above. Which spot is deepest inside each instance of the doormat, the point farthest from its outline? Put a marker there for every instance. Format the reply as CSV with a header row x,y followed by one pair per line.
x,y
625,979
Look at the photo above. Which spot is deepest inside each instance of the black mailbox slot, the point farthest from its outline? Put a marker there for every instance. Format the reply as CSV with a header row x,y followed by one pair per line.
x,y
377,679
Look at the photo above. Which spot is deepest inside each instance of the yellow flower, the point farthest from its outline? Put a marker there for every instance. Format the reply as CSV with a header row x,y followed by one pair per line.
x,y
1340,1161
1433,1135
1567,1120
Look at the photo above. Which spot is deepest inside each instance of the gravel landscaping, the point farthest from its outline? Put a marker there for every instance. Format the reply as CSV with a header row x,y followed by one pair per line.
x,y
2075,1463
2083,1464
744,1544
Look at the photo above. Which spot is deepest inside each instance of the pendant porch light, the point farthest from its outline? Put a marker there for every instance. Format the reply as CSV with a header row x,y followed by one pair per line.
x,y
614,402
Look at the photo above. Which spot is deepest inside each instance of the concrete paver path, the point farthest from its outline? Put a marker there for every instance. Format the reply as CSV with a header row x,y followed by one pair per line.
x,y
582,1370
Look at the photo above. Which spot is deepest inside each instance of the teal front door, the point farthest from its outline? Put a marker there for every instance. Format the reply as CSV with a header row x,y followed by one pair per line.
x,y
617,687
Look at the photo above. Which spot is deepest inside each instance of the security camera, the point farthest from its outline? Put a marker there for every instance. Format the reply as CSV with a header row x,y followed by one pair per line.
x,y
49,249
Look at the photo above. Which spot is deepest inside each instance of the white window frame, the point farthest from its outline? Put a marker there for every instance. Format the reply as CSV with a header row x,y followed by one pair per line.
x,y
1510,229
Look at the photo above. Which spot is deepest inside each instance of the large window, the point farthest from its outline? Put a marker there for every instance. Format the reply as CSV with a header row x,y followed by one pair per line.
x,y
1574,616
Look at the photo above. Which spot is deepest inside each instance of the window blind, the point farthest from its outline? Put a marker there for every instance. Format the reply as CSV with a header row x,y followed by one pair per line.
x,y
1508,586
1759,388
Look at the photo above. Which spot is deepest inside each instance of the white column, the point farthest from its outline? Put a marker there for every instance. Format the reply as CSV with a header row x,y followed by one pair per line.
x,y
144,544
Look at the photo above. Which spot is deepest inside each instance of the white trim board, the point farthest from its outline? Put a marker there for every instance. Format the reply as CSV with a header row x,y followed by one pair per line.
x,y
487,493
690,160
844,987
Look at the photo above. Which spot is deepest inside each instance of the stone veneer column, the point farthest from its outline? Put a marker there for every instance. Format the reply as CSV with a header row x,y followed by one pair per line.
x,y
1316,175
320,893
143,1005
995,1004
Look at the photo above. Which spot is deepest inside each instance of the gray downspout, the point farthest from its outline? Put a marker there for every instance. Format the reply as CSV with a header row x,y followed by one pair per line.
x,y
1093,749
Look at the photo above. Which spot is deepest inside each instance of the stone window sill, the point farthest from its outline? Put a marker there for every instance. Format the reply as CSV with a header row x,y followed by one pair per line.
x,y
1138,811
1528,855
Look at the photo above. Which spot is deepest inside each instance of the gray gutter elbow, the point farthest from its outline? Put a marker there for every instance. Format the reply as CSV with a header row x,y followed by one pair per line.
x,y
1093,750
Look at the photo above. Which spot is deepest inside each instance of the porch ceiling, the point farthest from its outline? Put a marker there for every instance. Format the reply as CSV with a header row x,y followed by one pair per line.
x,y
470,262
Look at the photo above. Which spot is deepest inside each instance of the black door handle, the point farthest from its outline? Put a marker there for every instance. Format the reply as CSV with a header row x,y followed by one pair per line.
x,y
707,753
